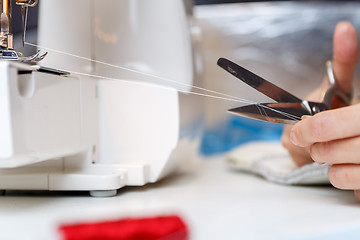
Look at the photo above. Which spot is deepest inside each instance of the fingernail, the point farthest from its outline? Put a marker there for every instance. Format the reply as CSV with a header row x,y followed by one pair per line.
x,y
332,176
293,138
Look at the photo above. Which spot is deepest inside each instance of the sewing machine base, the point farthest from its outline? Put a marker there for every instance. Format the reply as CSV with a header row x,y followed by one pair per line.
x,y
77,134
100,181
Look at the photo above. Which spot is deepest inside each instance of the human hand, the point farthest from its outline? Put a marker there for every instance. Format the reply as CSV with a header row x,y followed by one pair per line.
x,y
332,136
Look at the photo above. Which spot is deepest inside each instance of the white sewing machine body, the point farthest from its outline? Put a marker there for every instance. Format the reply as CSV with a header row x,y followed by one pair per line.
x,y
92,134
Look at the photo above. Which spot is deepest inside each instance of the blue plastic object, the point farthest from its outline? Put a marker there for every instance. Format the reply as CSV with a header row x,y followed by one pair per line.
x,y
237,131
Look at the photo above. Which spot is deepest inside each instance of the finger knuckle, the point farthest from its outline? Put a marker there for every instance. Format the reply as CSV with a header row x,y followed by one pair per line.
x,y
319,128
322,152
340,177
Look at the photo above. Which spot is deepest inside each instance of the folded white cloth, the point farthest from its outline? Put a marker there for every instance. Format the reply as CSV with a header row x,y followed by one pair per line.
x,y
271,161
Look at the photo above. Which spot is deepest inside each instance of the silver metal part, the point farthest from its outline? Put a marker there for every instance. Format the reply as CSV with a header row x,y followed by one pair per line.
x,y
7,51
27,3
17,56
6,27
330,72
24,5
288,108
334,89
315,109
306,105
23,24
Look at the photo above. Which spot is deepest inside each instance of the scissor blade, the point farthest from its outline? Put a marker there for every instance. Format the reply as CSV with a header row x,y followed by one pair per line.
x,y
285,113
269,89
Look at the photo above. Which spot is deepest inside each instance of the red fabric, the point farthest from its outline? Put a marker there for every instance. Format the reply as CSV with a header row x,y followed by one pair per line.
x,y
164,228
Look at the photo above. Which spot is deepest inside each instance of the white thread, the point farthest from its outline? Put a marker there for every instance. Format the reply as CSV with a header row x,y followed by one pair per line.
x,y
229,97
142,73
293,117
195,93
289,115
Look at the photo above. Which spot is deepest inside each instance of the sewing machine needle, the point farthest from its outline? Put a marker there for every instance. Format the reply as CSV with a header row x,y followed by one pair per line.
x,y
23,24
24,21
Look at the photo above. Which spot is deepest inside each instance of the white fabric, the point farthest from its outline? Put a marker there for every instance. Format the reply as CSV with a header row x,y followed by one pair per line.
x,y
272,162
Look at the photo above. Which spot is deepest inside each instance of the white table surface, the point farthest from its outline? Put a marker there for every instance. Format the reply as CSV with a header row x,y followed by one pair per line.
x,y
214,201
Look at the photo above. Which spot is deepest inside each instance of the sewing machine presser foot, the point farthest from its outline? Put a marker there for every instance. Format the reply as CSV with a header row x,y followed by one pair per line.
x,y
7,54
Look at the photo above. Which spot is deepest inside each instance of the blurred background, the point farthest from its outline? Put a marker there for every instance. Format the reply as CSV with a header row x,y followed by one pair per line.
x,y
237,1
286,42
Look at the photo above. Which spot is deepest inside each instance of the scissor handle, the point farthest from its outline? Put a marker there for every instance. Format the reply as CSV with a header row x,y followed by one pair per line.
x,y
334,90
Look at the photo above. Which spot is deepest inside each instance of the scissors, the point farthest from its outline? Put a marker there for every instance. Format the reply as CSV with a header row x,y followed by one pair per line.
x,y
288,109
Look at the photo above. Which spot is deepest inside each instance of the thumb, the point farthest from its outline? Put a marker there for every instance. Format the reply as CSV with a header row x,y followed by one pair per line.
x,y
345,55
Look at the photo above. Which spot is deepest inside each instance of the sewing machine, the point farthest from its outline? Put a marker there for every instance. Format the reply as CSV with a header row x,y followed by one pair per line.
x,y
66,131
